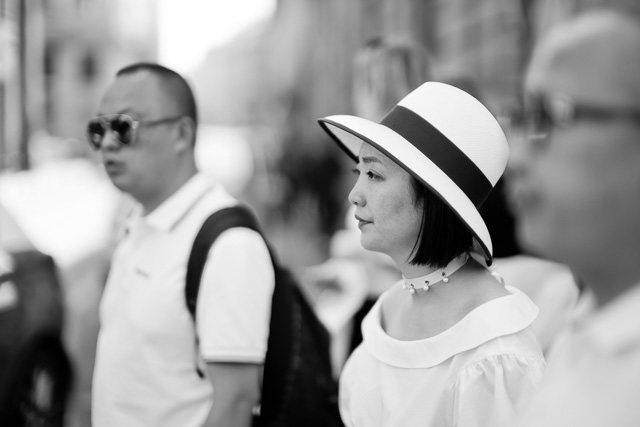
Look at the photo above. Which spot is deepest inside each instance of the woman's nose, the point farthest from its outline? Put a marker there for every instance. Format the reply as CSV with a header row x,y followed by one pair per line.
x,y
356,197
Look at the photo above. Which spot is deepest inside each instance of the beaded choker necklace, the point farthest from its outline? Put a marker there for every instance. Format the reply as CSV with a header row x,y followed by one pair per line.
x,y
441,275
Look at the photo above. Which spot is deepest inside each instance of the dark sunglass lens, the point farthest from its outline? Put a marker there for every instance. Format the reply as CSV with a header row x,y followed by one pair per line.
x,y
537,122
122,127
95,133
516,116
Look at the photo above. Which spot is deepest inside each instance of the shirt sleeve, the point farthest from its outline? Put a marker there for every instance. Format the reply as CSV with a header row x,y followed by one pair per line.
x,y
493,391
234,304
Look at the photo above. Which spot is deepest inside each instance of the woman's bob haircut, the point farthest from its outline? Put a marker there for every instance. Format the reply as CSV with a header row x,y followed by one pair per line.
x,y
442,235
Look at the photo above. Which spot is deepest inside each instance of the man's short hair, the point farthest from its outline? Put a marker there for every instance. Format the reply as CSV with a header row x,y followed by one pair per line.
x,y
176,86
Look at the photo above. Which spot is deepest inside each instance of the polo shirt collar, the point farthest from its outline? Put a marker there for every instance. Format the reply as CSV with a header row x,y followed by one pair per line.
x,y
499,317
172,210
615,327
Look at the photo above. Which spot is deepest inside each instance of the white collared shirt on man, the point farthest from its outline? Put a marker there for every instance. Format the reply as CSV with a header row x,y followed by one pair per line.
x,y
146,356
593,378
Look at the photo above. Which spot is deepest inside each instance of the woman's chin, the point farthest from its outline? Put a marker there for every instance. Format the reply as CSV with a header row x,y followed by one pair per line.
x,y
371,244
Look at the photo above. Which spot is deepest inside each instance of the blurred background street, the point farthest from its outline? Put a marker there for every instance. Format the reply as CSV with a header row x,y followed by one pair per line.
x,y
263,71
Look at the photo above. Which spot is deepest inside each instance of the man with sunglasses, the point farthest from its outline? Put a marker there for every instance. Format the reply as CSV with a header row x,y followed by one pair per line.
x,y
145,372
578,200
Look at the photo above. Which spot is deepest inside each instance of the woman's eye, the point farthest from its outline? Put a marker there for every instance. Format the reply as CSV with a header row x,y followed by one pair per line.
x,y
373,176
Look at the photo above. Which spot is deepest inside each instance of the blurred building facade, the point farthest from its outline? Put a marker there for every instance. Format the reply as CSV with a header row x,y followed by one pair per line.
x,y
56,57
490,41
276,78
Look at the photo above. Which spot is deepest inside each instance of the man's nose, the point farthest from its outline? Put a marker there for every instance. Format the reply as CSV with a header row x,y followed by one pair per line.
x,y
526,154
519,155
110,141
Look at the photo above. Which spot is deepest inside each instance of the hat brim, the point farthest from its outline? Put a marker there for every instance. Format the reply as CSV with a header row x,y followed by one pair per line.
x,y
351,131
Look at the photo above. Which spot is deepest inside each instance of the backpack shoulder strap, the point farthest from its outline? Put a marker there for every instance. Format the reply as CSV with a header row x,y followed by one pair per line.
x,y
213,226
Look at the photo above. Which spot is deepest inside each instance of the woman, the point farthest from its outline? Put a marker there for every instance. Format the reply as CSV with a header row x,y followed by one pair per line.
x,y
448,345
384,72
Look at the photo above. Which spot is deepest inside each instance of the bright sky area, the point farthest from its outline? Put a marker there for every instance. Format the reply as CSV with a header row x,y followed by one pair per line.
x,y
188,29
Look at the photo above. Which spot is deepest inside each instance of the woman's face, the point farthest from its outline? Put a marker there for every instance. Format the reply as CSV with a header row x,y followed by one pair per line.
x,y
385,205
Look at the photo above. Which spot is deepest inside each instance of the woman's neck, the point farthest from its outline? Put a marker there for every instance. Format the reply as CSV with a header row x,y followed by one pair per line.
x,y
426,281
411,271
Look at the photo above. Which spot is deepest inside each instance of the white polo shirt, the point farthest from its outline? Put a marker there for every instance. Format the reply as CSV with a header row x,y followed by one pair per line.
x,y
145,363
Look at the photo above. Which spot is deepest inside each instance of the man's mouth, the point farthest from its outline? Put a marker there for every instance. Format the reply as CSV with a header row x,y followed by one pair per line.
x,y
113,166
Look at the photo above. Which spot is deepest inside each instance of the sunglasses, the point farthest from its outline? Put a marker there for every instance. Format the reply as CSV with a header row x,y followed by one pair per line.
x,y
123,127
543,113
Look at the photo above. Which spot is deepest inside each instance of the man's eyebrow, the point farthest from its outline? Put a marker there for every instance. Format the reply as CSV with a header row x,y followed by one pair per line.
x,y
126,111
370,159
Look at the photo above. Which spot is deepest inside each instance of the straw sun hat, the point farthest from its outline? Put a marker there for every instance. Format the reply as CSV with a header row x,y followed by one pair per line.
x,y
446,139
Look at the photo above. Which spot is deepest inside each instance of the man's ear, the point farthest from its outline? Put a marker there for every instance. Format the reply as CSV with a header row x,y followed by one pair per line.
x,y
186,134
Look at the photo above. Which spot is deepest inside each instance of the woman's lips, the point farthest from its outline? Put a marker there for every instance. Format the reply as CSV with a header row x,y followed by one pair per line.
x,y
362,222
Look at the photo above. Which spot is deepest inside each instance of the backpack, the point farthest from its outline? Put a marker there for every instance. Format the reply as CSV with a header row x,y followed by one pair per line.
x,y
298,388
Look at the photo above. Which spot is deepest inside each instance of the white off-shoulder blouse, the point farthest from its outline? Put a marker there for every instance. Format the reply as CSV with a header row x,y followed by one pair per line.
x,y
480,372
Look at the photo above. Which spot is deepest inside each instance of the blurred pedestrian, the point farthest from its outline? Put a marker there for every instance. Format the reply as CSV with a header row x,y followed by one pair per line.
x,y
449,344
385,70
578,203
145,372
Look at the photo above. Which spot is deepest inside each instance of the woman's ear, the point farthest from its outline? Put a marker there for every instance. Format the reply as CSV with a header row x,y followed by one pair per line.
x,y
186,134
